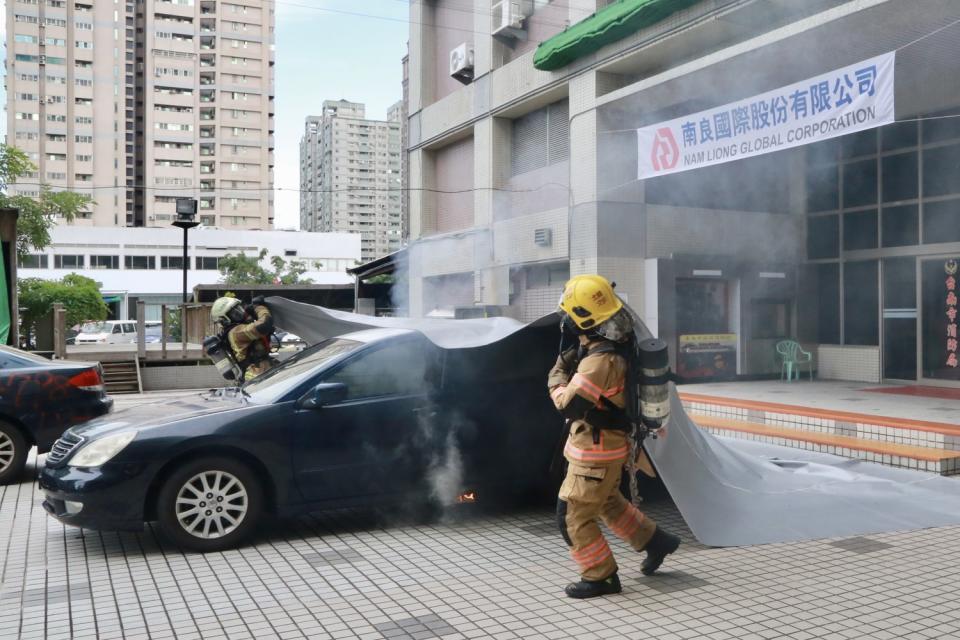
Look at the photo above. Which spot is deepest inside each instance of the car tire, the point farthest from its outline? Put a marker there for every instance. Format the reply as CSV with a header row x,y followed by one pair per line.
x,y
189,499
13,453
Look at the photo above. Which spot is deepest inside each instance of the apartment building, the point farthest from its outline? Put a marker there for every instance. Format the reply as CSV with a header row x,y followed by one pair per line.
x,y
542,146
141,103
350,176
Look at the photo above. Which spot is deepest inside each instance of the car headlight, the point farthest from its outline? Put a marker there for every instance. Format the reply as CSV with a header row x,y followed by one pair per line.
x,y
101,450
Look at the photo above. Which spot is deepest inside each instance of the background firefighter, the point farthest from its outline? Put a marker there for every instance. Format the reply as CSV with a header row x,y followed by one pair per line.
x,y
587,386
247,331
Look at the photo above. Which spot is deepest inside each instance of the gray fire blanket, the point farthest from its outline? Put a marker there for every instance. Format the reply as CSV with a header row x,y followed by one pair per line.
x,y
730,492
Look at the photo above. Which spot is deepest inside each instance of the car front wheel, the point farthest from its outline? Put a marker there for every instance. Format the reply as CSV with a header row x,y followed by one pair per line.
x,y
13,453
209,504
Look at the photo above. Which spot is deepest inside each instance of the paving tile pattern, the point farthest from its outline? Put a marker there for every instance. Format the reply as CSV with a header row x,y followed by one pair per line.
x,y
473,574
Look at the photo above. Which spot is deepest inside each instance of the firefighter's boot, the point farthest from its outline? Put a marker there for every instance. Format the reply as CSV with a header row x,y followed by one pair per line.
x,y
592,589
660,546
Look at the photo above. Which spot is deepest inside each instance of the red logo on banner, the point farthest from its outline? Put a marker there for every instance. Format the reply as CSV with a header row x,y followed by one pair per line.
x,y
665,153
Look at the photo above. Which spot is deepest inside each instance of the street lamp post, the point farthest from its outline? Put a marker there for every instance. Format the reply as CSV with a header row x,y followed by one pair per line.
x,y
186,220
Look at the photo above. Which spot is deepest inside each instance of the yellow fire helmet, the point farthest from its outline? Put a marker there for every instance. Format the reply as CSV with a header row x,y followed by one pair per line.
x,y
589,300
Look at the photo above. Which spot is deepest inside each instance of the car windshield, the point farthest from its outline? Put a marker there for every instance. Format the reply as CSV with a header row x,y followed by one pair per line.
x,y
278,381
94,327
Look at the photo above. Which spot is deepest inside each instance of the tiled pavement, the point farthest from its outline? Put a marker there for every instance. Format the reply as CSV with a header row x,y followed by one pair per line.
x,y
474,574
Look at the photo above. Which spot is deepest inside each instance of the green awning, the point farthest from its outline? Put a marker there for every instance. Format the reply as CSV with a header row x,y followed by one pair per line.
x,y
610,24
112,299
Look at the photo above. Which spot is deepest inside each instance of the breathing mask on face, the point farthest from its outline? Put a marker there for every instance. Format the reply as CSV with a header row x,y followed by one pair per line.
x,y
618,328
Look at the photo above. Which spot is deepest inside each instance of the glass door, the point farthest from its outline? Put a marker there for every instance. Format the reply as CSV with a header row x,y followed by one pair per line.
x,y
900,318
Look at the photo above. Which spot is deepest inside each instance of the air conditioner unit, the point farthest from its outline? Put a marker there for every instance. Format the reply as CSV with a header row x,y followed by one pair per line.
x,y
42,59
461,63
508,17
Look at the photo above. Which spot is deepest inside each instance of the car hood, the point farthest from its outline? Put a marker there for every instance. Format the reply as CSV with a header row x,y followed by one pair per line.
x,y
155,414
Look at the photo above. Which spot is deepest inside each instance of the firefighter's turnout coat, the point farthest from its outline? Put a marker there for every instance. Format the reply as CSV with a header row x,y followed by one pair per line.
x,y
250,343
596,450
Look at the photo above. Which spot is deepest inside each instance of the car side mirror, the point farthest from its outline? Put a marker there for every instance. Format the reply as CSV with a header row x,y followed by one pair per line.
x,y
325,393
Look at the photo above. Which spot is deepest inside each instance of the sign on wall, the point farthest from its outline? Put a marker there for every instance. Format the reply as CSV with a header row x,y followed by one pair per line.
x,y
854,98
941,349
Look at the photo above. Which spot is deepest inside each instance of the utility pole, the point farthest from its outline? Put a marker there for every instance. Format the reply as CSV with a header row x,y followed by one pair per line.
x,y
186,220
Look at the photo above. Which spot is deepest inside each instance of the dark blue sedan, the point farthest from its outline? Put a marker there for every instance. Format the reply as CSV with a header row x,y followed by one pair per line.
x,y
373,416
39,400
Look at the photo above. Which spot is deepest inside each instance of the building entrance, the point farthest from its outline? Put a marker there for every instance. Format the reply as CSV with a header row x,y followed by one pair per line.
x,y
706,343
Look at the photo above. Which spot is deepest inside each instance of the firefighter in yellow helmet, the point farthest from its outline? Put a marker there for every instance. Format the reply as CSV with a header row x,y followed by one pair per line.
x,y
587,385
247,332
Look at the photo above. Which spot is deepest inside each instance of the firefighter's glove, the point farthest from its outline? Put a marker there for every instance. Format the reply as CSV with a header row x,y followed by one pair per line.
x,y
559,375
571,358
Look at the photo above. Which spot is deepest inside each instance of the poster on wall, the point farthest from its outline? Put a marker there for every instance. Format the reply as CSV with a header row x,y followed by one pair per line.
x,y
940,309
707,356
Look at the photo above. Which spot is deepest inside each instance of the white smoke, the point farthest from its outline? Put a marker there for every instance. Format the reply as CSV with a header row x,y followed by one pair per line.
x,y
445,474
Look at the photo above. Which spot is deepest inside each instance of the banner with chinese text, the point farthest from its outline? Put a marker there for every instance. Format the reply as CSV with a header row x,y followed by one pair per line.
x,y
832,104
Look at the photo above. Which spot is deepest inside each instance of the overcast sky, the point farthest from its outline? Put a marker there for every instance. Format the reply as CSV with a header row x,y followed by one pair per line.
x,y
323,55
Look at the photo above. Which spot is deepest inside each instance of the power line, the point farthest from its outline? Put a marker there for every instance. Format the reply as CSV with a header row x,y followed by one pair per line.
x,y
359,14
291,189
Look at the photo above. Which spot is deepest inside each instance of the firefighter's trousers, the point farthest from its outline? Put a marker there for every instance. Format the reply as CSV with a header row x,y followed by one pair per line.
x,y
592,491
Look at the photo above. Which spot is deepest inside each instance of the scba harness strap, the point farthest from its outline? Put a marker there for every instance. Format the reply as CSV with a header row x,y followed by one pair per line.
x,y
610,417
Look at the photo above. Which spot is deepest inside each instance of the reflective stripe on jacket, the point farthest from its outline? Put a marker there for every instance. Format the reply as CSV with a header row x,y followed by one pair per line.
x,y
598,374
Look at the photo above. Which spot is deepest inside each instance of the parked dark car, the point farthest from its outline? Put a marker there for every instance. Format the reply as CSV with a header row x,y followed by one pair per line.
x,y
372,416
39,400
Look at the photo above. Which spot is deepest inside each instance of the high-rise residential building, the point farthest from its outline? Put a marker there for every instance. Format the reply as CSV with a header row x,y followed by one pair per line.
x,y
350,176
310,173
142,103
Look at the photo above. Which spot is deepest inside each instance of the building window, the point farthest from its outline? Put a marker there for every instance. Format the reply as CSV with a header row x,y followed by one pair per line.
x,y
940,171
171,262
67,262
208,263
860,230
540,138
900,226
861,300
139,262
823,237
941,221
34,261
827,277
104,262
860,183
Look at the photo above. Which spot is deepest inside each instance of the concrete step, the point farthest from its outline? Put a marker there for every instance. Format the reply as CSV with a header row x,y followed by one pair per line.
x,y
121,377
943,461
918,433
933,447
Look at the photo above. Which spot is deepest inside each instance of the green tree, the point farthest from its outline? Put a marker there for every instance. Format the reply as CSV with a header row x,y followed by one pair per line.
x,y
37,214
79,295
241,269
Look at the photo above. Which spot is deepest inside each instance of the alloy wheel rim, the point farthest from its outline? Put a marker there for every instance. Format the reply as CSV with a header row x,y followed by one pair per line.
x,y
211,504
7,451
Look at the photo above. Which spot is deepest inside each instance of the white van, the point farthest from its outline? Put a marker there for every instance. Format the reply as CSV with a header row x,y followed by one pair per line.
x,y
107,332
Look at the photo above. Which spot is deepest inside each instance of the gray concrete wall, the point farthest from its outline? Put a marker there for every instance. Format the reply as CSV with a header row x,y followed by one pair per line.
x,y
181,377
